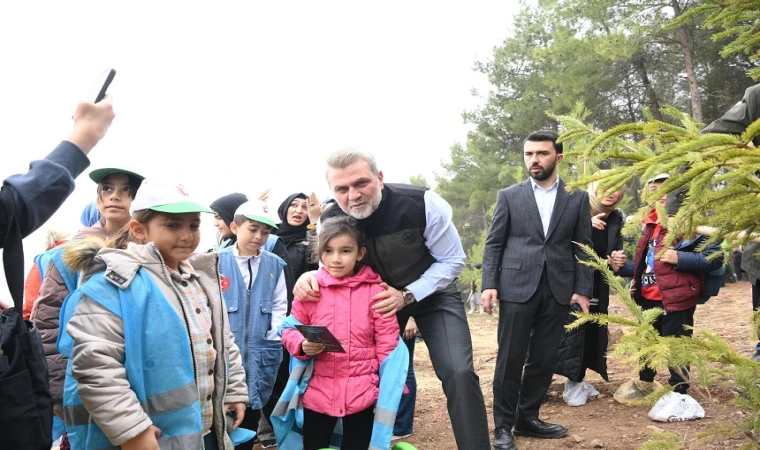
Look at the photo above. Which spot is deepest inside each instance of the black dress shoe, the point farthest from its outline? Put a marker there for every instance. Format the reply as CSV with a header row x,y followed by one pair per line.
x,y
503,440
540,429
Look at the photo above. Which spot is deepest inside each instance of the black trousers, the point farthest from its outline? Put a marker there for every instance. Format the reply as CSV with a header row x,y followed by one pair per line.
x,y
443,323
533,328
318,428
251,422
670,324
209,441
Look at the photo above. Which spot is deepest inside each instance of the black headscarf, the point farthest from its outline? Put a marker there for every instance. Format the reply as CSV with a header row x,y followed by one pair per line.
x,y
227,205
287,232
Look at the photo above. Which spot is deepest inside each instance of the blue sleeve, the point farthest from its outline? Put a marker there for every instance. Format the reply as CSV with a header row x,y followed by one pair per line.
x,y
42,190
698,262
626,270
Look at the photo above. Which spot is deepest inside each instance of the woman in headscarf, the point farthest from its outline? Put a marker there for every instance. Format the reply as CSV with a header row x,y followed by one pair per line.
x,y
586,347
299,215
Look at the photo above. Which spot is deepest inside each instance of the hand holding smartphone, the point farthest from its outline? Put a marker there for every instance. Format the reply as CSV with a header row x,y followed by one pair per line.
x,y
101,85
91,122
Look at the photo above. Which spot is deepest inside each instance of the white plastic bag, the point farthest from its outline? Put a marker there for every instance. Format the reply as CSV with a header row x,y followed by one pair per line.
x,y
675,407
577,394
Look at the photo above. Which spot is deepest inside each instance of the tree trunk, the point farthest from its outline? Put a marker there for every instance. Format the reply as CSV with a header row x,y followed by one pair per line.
x,y
686,38
641,70
629,99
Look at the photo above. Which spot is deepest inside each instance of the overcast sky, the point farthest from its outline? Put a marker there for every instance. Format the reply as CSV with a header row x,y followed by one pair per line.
x,y
242,96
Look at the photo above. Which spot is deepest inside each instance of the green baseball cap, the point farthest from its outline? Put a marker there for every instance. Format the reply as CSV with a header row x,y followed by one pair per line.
x,y
97,175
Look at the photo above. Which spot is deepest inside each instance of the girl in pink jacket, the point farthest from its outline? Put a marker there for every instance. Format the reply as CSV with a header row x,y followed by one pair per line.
x,y
343,384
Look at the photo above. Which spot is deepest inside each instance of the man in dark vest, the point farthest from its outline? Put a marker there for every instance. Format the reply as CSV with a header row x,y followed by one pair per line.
x,y
414,246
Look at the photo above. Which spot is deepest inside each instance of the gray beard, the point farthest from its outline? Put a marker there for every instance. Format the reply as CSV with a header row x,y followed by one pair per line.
x,y
374,203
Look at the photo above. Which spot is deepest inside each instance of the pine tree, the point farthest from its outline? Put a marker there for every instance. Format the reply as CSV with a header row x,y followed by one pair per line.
x,y
719,175
738,20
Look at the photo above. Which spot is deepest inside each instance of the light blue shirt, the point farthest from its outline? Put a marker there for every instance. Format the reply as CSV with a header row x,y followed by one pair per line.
x,y
442,240
545,201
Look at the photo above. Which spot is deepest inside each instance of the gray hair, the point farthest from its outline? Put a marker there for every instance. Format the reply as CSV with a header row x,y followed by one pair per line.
x,y
344,158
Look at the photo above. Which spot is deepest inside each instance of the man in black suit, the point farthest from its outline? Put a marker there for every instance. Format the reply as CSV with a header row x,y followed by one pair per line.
x,y
531,266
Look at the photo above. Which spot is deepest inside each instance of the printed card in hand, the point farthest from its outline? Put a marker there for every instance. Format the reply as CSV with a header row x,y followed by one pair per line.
x,y
321,335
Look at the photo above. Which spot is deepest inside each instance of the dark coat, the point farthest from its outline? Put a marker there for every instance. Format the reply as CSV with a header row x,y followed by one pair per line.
x,y
516,249
586,347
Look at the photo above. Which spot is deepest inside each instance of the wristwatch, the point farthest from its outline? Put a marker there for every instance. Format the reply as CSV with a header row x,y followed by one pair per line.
x,y
408,297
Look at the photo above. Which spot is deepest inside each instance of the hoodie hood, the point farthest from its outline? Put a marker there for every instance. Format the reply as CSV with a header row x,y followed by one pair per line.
x,y
90,215
364,275
90,256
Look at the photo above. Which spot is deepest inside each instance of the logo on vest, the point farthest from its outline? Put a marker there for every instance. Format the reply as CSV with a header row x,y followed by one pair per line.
x,y
225,282
408,238
116,278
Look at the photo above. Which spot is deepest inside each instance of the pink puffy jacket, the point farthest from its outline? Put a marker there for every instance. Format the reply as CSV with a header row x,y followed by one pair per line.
x,y
345,383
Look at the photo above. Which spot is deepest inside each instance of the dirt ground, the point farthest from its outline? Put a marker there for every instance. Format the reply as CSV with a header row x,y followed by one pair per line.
x,y
615,426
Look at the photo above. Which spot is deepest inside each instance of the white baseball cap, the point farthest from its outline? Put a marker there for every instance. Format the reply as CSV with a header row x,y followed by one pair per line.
x,y
165,197
256,210
659,177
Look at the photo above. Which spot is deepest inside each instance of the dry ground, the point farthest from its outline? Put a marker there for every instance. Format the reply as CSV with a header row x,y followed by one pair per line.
x,y
616,426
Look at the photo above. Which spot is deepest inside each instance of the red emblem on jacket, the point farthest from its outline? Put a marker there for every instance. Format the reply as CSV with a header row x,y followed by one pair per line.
x,y
225,283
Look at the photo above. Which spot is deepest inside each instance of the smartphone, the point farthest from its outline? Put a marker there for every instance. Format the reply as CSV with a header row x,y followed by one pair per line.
x,y
101,85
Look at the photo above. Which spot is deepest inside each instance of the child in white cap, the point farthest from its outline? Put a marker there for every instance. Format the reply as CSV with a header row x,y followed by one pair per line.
x,y
152,363
256,298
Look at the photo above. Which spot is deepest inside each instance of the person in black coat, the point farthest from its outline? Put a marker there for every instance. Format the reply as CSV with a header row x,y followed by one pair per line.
x,y
299,215
586,347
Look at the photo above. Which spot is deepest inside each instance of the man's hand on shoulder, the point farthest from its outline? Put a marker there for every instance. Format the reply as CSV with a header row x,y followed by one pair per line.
x,y
306,288
91,122
388,302
581,300
489,297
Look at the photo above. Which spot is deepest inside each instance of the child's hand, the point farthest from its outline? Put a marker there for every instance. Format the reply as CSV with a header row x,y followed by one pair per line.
x,y
147,440
311,348
670,257
239,409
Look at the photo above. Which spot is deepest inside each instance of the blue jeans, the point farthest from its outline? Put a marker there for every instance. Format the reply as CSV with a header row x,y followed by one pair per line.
x,y
405,416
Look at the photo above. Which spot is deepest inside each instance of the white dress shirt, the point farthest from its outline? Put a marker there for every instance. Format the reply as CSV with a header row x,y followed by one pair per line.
x,y
442,240
545,201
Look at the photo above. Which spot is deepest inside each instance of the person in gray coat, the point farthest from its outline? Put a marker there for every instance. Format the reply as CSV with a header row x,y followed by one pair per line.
x,y
531,265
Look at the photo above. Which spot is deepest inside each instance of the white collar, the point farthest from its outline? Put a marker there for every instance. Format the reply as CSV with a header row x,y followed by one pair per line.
x,y
237,253
535,185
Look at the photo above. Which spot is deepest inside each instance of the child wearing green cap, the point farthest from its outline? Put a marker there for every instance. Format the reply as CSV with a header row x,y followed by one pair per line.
x,y
152,362
116,188
256,297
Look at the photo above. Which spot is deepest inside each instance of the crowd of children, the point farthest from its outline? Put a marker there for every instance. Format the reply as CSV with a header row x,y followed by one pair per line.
x,y
161,346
